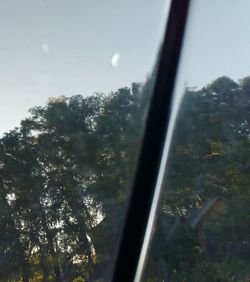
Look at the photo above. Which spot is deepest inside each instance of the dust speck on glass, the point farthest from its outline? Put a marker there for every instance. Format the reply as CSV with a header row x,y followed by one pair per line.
x,y
75,83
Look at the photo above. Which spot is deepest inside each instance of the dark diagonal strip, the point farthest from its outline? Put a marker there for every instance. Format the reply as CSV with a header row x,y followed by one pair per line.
x,y
152,146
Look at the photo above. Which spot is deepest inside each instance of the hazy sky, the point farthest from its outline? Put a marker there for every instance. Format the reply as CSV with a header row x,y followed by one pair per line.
x,y
64,47
217,41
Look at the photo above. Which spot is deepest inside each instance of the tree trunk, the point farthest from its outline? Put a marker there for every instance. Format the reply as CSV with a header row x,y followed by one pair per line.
x,y
25,275
83,235
20,250
43,264
49,237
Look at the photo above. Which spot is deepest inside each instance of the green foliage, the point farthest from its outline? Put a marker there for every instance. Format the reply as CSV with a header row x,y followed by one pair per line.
x,y
64,181
66,173
209,160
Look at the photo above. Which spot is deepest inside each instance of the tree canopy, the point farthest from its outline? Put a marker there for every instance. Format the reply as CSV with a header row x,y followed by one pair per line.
x,y
67,170
65,177
202,232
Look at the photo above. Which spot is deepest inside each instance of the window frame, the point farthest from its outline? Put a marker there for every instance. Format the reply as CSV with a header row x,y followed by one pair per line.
x,y
143,189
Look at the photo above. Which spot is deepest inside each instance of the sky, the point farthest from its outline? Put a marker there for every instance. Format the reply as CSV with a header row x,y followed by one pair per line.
x,y
50,48
217,42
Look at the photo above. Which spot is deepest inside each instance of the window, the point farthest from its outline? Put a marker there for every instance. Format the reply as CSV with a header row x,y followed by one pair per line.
x,y
85,71
202,228
124,169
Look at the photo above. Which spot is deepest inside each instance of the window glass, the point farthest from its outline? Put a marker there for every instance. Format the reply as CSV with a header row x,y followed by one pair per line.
x,y
75,83
202,227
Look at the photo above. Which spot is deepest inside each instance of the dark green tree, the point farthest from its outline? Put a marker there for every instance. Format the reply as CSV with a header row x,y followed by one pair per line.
x,y
209,160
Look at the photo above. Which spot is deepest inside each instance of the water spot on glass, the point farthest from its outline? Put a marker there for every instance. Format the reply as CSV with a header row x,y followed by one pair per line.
x,y
115,59
66,138
45,48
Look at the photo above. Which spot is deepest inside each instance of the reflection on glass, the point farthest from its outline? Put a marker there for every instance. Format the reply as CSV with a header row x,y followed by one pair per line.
x,y
202,231
66,165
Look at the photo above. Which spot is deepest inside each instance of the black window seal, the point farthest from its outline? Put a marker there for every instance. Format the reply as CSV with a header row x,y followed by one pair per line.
x,y
152,146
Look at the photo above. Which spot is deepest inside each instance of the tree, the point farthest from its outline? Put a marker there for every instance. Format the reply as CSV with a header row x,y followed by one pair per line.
x,y
209,158
66,175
